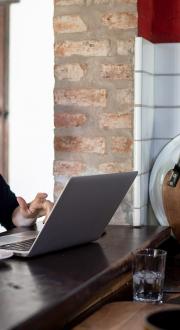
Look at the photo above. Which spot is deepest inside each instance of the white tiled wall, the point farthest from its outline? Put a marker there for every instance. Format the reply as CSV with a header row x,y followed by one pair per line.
x,y
156,113
167,91
143,150
167,60
143,115
167,122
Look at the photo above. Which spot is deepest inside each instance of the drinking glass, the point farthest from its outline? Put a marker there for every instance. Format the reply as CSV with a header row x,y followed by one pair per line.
x,y
148,275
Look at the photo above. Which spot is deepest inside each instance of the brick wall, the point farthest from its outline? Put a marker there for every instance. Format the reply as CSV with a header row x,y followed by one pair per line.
x,y
93,94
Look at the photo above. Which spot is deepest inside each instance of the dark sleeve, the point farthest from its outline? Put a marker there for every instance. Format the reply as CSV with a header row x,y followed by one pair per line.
x,y
8,203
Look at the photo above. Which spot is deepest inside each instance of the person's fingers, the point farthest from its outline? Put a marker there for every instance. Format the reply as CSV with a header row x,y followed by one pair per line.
x,y
37,203
41,196
48,205
22,203
37,208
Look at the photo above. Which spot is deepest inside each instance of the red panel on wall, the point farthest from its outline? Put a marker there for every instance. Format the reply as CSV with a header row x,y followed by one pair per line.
x,y
159,20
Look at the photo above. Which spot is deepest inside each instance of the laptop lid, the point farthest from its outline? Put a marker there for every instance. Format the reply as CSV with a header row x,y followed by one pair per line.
x,y
83,210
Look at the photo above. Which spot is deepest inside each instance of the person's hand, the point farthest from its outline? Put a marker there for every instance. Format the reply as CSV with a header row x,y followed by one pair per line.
x,y
27,213
48,205
34,209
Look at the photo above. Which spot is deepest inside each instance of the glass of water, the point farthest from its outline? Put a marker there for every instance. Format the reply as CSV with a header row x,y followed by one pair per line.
x,y
148,275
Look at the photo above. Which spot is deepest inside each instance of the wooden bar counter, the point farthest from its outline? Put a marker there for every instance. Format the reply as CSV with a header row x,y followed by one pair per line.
x,y
50,291
123,315
127,315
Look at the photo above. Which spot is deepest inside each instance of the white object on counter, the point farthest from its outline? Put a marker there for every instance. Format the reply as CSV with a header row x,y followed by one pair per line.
x,y
165,161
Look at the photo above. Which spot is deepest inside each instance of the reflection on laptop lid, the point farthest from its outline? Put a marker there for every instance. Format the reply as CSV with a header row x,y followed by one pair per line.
x,y
80,214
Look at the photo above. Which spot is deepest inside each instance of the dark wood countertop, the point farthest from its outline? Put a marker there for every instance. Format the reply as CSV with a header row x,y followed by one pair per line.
x,y
123,315
49,291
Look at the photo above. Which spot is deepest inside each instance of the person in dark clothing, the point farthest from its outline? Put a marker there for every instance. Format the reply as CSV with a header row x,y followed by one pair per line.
x,y
15,212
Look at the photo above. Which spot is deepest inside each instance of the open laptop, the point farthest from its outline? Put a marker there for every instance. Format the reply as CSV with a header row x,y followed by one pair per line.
x,y
80,215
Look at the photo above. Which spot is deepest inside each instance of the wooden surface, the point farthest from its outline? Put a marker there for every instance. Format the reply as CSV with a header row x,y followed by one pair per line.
x,y
49,291
124,315
127,315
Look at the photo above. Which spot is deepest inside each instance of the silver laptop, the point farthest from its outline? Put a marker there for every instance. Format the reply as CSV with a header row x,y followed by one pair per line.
x,y
80,215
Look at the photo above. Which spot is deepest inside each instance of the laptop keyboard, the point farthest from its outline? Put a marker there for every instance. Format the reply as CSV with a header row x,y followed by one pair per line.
x,y
20,246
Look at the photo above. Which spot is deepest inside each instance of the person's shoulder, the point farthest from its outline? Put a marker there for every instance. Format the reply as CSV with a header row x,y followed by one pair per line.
x,y
1,178
3,181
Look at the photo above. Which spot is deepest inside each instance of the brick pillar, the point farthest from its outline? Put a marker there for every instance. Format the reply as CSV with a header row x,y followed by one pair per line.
x,y
94,56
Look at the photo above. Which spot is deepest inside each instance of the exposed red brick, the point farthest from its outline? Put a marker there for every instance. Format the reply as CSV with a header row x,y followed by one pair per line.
x,y
125,47
81,97
125,1
115,120
115,167
69,2
101,2
80,144
58,189
120,20
116,71
71,72
83,48
90,37
108,2
121,144
125,96
64,119
68,167
69,24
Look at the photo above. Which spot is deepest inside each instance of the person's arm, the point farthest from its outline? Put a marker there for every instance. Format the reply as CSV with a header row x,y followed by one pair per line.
x,y
26,213
8,203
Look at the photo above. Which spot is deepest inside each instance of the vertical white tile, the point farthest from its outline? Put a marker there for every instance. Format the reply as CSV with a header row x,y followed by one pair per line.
x,y
144,55
147,122
147,84
148,56
144,89
167,58
147,155
143,214
144,189
143,155
167,123
138,54
138,88
167,91
137,156
136,217
137,192
140,216
137,123
141,190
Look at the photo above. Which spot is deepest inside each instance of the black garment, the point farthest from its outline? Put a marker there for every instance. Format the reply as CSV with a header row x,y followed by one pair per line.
x,y
8,203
